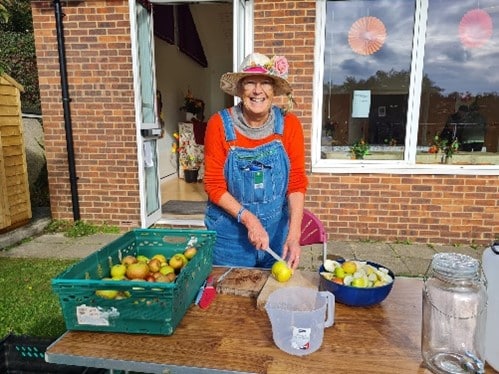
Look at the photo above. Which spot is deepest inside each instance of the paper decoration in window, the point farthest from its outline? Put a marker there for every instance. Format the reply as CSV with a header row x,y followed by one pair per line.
x,y
367,35
475,28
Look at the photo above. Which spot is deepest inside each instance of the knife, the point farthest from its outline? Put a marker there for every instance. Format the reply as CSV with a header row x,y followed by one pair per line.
x,y
273,254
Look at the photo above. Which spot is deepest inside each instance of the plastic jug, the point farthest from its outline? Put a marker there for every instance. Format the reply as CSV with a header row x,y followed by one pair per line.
x,y
490,264
298,318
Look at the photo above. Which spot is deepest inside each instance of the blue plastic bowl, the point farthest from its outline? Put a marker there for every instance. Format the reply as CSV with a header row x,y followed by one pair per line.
x,y
356,296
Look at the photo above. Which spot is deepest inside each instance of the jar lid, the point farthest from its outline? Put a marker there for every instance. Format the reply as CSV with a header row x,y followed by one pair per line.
x,y
455,265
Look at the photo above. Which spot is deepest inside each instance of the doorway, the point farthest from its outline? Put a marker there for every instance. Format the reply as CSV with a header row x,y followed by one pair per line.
x,y
177,73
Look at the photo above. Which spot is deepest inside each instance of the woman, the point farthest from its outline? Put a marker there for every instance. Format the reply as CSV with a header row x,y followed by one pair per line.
x,y
255,169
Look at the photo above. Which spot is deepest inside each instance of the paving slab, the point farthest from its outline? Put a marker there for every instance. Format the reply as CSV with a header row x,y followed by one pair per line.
x,y
402,259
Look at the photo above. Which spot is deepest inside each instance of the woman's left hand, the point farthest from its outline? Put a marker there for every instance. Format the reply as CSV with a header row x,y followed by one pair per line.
x,y
291,253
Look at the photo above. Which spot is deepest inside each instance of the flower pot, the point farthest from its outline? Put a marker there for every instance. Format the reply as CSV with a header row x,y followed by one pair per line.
x,y
191,175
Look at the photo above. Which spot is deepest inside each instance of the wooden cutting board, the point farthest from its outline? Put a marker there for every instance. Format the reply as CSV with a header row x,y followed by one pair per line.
x,y
243,282
309,279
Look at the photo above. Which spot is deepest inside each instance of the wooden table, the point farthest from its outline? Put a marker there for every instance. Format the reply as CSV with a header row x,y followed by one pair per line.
x,y
233,336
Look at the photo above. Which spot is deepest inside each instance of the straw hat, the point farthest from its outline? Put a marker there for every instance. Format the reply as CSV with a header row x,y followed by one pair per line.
x,y
258,64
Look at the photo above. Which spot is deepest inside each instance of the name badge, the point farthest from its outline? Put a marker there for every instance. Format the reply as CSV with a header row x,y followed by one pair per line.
x,y
258,179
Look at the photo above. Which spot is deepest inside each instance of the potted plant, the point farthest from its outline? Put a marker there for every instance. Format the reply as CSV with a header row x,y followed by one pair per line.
x,y
445,148
193,107
359,149
189,157
190,165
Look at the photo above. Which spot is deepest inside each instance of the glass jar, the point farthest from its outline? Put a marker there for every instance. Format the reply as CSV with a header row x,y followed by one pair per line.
x,y
454,315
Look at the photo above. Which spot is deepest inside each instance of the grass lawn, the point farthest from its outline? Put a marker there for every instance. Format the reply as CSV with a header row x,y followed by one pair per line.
x,y
28,305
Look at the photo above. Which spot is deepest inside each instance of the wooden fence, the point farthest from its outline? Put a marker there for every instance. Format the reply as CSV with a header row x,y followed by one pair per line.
x,y
15,205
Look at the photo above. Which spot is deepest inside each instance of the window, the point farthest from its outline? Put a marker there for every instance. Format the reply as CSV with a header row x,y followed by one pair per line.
x,y
394,74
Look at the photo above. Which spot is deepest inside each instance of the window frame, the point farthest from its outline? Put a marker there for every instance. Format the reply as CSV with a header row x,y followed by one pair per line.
x,y
408,165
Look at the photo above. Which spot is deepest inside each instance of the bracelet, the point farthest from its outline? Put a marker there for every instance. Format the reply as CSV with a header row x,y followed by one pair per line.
x,y
240,213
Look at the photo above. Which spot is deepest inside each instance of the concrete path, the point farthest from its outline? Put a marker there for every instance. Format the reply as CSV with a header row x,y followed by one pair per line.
x,y
402,259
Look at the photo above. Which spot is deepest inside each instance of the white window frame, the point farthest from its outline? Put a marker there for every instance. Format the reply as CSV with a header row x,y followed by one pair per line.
x,y
408,165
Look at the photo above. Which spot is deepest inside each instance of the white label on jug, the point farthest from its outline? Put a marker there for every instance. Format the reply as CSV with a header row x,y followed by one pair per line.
x,y
301,338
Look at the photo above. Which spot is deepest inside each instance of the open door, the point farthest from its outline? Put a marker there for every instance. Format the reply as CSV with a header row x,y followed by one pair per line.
x,y
243,31
148,124
147,120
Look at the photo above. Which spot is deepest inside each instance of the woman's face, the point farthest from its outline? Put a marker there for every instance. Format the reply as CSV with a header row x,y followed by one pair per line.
x,y
257,95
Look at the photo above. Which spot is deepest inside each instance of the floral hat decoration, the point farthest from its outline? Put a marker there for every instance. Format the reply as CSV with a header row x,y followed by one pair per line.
x,y
257,64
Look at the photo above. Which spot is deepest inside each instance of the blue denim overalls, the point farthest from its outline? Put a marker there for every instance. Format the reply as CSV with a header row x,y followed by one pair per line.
x,y
258,179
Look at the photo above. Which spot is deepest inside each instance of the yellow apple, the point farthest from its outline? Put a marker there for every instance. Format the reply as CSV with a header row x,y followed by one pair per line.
x,y
107,294
167,269
184,259
142,258
118,271
160,257
177,261
349,267
281,271
190,252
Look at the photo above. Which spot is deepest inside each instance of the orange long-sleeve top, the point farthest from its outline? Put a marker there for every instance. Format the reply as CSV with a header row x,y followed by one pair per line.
x,y
217,148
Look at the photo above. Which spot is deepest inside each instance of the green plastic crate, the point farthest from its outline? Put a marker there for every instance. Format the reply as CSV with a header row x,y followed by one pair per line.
x,y
151,308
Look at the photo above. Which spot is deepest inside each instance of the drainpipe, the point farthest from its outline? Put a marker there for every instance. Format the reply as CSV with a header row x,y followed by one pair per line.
x,y
67,112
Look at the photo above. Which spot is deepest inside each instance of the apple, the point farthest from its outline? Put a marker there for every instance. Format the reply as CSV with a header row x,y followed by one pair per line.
x,y
190,252
154,265
359,282
349,267
167,269
107,294
150,278
123,295
185,260
281,271
339,272
138,270
177,261
164,278
337,280
160,257
142,258
128,260
118,271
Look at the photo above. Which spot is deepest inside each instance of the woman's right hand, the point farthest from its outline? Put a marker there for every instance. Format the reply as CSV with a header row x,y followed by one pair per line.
x,y
257,235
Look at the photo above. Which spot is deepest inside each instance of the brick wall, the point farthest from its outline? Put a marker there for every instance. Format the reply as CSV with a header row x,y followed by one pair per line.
x,y
99,66
417,208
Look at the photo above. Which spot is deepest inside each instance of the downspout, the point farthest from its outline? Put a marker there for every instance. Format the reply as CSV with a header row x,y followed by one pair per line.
x,y
67,112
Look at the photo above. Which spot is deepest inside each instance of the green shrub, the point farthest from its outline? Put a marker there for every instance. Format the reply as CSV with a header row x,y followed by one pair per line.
x,y
17,50
18,55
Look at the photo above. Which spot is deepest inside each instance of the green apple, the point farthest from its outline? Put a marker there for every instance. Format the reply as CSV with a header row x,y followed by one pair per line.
x,y
359,282
339,272
142,258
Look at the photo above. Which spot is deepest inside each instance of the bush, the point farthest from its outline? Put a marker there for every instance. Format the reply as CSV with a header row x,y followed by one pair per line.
x,y
19,59
17,52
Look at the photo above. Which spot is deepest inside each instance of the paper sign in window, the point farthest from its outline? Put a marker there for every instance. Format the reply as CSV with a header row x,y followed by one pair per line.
x,y
361,103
